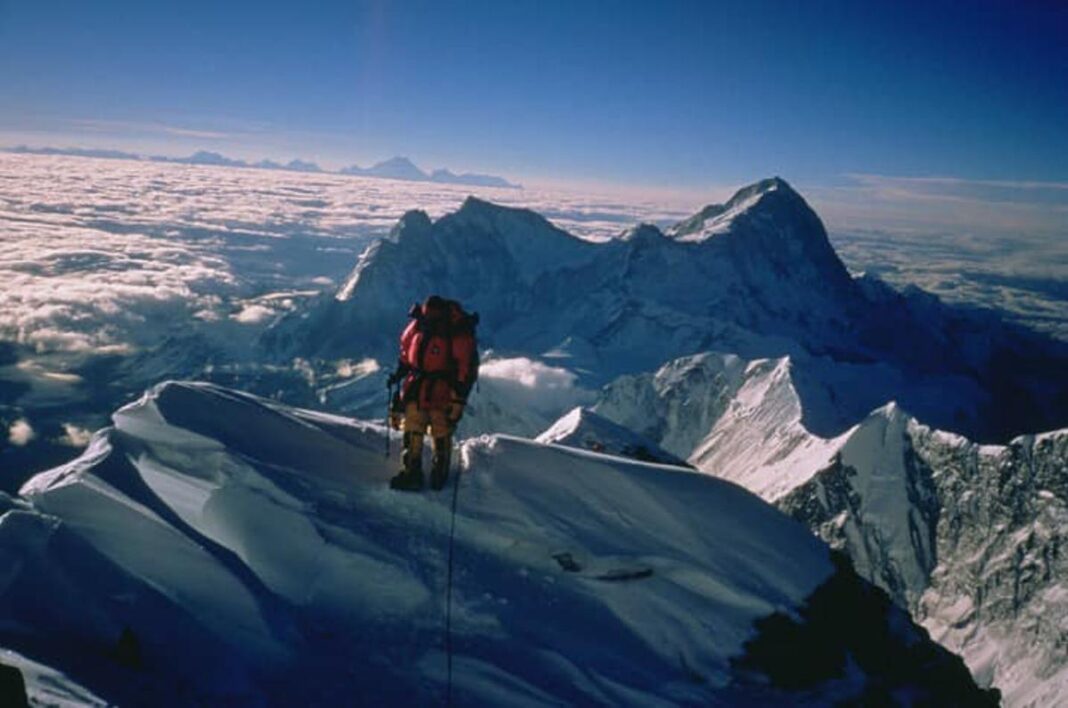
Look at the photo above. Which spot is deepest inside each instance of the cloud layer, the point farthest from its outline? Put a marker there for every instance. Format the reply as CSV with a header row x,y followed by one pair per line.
x,y
995,208
113,254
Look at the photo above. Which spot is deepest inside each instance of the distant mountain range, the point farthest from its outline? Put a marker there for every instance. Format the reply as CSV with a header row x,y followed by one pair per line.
x,y
394,168
404,169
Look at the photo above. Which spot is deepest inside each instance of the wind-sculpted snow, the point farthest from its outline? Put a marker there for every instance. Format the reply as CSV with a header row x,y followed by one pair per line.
x,y
216,547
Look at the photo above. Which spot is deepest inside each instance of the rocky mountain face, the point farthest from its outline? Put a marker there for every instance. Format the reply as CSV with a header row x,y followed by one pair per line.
x,y
965,536
968,537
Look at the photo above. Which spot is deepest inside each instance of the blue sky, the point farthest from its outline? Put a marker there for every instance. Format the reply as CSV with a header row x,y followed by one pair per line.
x,y
662,94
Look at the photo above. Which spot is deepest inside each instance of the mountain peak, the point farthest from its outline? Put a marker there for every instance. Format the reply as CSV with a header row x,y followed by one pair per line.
x,y
473,203
643,233
717,219
402,168
764,186
414,221
397,161
475,208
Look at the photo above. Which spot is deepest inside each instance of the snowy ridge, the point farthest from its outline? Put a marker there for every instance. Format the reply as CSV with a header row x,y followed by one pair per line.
x,y
718,218
583,429
963,535
263,560
967,537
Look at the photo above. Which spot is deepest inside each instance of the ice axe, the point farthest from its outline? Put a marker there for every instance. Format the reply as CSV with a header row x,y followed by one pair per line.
x,y
389,413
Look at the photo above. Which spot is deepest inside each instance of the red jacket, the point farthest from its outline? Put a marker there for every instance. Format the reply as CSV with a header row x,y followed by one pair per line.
x,y
442,362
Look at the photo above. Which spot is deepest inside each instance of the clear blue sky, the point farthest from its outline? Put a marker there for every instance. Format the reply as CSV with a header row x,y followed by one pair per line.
x,y
646,93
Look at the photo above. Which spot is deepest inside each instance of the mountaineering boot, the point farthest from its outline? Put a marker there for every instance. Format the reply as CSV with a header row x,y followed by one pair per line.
x,y
439,471
410,478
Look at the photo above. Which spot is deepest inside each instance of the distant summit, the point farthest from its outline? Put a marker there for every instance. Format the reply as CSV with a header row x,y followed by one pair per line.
x,y
204,157
718,218
404,169
393,168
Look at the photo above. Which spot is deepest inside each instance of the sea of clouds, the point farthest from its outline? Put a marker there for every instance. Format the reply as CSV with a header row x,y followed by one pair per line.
x,y
102,260
98,254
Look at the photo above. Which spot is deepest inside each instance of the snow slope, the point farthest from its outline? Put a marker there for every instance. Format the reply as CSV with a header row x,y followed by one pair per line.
x,y
583,429
215,547
47,687
966,536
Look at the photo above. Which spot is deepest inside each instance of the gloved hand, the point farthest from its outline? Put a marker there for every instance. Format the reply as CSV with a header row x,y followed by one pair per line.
x,y
456,410
396,411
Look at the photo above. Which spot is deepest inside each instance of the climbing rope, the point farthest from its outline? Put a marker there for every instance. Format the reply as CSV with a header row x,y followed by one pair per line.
x,y
448,577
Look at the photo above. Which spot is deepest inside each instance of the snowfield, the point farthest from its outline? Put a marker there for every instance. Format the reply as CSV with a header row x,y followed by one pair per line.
x,y
216,547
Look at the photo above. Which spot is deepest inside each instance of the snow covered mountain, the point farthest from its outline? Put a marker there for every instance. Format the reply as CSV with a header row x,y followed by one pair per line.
x,y
213,547
583,429
755,276
528,279
404,169
965,536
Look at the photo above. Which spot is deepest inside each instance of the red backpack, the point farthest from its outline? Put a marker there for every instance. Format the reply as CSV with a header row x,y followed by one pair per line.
x,y
440,356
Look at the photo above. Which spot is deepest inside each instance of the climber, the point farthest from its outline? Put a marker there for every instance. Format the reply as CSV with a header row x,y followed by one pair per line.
x,y
437,367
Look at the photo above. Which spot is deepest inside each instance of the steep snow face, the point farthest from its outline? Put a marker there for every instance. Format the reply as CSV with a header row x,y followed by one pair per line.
x,y
967,536
760,440
679,404
583,429
963,535
722,412
215,547
269,533
885,508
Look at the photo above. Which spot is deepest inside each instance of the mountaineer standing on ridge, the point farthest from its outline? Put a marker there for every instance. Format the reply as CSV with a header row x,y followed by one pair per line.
x,y
438,366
